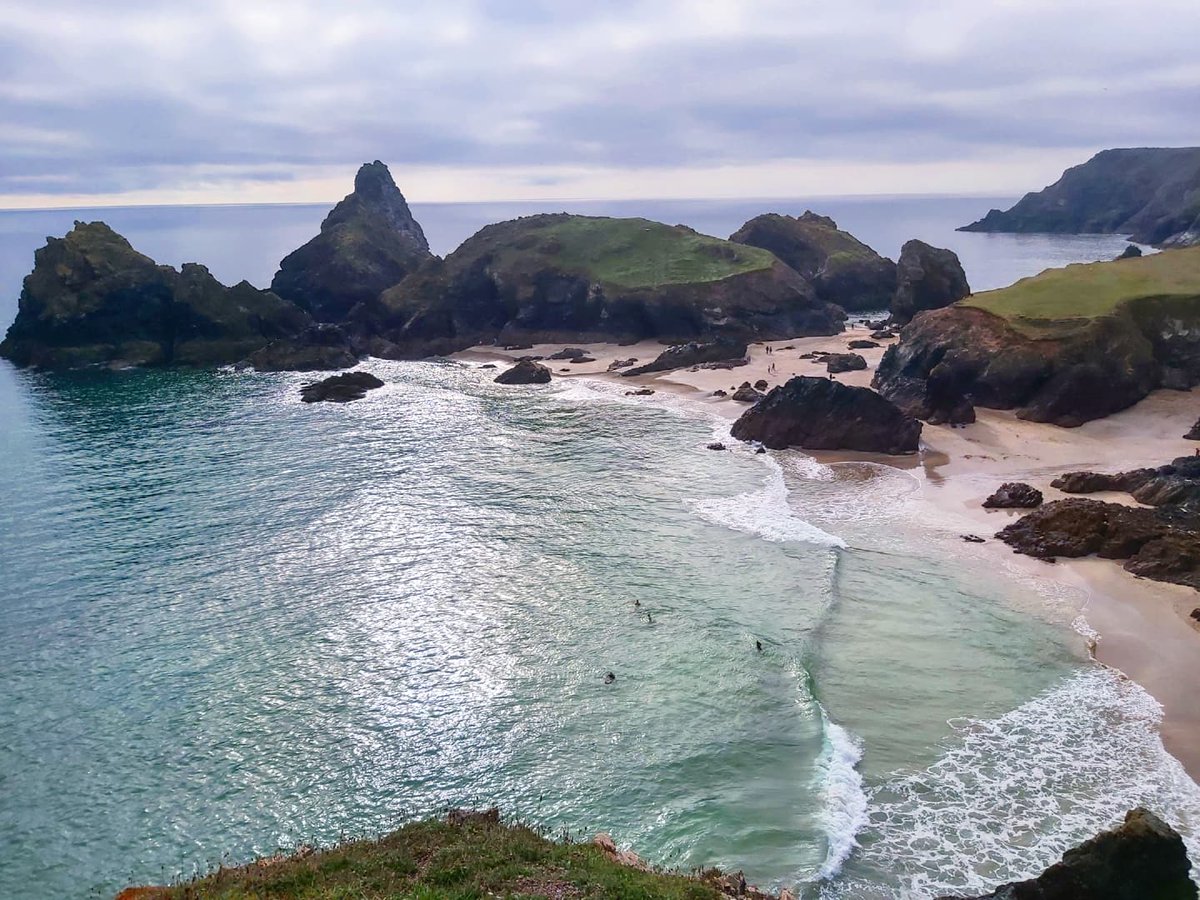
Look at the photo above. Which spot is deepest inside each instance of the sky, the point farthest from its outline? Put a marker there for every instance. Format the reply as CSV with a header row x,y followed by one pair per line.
x,y
141,101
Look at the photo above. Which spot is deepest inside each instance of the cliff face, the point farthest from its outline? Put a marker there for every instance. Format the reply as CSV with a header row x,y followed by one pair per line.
x,y
1152,194
1064,347
578,278
368,243
841,268
92,299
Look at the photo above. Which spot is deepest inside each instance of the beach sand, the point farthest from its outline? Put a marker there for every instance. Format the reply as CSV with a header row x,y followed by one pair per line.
x,y
1144,627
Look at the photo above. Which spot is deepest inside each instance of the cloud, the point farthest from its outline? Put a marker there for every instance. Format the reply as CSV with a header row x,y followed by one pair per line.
x,y
138,98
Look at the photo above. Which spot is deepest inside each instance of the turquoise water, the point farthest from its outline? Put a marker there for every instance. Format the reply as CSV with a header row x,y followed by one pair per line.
x,y
233,622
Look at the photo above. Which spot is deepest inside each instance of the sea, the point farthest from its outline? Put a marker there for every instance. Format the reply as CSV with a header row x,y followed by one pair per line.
x,y
232,623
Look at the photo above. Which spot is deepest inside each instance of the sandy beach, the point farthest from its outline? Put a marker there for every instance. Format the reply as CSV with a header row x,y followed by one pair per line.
x,y
1144,627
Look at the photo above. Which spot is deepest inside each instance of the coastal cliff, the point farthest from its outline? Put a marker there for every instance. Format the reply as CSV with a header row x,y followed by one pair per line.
x,y
1064,347
1150,193
549,278
92,299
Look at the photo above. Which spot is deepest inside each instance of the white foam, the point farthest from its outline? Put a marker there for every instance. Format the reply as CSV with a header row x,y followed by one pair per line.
x,y
1013,793
843,800
765,513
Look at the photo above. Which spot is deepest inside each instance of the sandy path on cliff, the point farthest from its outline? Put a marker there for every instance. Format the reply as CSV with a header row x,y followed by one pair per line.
x,y
1145,626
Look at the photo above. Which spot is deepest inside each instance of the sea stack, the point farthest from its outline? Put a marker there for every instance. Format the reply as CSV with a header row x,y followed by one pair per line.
x,y
927,277
367,243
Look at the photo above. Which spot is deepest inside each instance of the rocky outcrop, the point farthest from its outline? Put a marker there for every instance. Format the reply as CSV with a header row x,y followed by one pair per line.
x,y
92,299
836,363
693,353
862,345
1132,251
746,394
926,278
1149,193
818,414
841,269
1142,859
1138,329
559,278
368,242
344,388
1193,433
526,371
320,346
1014,495
1175,484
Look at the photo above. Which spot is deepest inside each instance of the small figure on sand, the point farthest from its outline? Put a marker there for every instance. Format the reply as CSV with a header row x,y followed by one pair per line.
x,y
609,677
758,646
768,349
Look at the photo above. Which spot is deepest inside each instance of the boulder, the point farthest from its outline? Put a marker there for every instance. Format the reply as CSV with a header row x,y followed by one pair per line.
x,y
368,243
582,359
819,414
716,445
93,300
761,384
719,393
862,345
621,363
568,353
973,539
1193,432
1132,251
926,278
1014,495
1142,859
746,394
841,269
1077,527
526,371
883,335
844,362
342,388
693,353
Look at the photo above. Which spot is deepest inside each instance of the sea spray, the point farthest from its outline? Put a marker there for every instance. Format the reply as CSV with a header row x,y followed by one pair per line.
x,y
843,800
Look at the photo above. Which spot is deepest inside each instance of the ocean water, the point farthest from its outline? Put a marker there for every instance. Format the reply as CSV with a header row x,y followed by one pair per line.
x,y
232,622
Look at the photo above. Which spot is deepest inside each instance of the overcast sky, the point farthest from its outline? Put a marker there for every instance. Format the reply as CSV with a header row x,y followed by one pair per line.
x,y
119,101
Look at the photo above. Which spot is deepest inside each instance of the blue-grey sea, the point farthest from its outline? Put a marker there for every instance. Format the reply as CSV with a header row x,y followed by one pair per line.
x,y
231,623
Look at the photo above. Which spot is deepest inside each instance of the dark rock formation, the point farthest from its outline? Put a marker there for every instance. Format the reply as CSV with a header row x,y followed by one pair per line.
x,y
841,269
1065,371
818,414
568,353
1142,859
92,299
367,243
582,359
621,363
973,539
1149,193
577,278
862,345
320,346
1193,432
882,335
746,394
526,371
926,278
716,445
844,362
340,388
1132,251
1014,495
694,353
1175,484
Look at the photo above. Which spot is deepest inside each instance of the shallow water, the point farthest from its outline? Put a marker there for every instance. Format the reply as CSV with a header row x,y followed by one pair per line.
x,y
234,622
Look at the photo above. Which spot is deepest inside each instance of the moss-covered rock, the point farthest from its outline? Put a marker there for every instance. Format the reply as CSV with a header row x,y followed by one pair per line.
x,y
564,278
841,268
92,299
367,243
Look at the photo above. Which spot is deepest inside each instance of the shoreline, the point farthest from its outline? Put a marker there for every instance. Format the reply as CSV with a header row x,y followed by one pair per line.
x,y
1143,627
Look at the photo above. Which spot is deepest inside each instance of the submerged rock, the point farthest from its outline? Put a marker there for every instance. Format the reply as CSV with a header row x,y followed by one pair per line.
x,y
368,242
841,268
526,371
926,278
342,388
818,414
1014,495
92,300
1142,859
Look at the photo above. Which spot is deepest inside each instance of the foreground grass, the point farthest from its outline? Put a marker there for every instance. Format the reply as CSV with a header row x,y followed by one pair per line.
x,y
426,860
1086,291
627,253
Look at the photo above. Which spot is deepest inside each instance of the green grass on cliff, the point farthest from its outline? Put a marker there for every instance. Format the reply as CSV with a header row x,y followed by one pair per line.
x,y
434,860
627,253
1057,297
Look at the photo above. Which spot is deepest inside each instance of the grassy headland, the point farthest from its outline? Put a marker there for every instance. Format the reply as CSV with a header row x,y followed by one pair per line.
x,y
1058,298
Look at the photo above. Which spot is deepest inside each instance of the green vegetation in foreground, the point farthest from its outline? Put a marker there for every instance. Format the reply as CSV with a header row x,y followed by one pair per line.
x,y
626,253
433,860
1088,290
